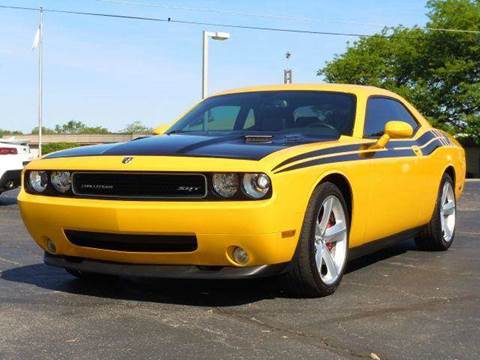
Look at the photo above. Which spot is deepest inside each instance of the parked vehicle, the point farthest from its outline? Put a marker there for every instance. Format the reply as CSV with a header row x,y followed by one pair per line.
x,y
293,180
13,156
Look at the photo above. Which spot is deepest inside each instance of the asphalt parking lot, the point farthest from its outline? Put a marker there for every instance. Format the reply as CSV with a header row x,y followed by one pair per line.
x,y
395,304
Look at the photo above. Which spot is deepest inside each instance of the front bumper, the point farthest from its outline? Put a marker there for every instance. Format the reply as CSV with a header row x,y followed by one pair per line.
x,y
259,227
10,180
164,271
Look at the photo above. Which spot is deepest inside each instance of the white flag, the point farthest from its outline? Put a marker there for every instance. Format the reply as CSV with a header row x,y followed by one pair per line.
x,y
36,41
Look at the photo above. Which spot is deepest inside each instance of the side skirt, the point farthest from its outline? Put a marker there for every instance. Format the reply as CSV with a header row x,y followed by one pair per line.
x,y
374,246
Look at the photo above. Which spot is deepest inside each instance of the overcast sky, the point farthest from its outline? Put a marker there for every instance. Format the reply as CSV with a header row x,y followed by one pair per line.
x,y
111,72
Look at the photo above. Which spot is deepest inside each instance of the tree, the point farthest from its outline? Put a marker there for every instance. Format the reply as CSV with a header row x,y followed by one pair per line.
x,y
136,128
4,132
78,127
45,131
438,71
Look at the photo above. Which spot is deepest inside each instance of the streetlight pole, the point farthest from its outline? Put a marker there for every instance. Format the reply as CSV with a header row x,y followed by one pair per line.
x,y
205,65
215,36
40,83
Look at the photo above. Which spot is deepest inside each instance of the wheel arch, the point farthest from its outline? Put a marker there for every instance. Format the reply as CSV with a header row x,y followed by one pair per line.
x,y
342,182
450,170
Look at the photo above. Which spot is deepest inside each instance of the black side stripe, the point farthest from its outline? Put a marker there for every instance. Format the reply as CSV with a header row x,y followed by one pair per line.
x,y
425,138
329,151
395,150
430,148
422,140
352,157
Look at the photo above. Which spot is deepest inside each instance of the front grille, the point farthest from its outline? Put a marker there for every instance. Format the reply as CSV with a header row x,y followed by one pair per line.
x,y
139,185
133,242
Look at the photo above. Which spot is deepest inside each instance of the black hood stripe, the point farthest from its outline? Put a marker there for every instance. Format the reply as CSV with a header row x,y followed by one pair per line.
x,y
213,146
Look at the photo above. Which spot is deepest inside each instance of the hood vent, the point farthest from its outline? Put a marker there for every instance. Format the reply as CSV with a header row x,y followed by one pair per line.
x,y
258,139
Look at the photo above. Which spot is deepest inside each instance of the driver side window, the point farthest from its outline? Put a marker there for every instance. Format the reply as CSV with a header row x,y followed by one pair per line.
x,y
382,110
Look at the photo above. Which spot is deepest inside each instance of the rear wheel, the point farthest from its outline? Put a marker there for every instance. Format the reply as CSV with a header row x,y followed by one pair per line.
x,y
439,234
322,250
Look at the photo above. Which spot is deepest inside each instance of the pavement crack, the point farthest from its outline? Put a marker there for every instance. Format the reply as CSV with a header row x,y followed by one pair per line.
x,y
310,339
397,309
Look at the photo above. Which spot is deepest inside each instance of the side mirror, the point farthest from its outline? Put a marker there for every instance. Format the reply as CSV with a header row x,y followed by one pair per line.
x,y
394,130
161,130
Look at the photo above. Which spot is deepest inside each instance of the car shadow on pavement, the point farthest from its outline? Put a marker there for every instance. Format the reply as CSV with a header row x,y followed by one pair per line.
x,y
367,260
185,292
7,200
220,293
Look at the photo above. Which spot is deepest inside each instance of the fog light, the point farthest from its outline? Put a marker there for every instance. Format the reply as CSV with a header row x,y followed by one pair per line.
x,y
240,256
51,246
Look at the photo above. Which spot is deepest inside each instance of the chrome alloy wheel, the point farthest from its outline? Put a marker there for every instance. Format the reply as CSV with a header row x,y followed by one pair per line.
x,y
447,211
330,240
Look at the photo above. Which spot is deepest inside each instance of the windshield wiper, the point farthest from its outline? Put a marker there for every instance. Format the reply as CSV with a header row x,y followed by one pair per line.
x,y
178,131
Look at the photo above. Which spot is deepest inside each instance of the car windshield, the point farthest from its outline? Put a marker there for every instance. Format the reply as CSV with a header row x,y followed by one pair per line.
x,y
307,113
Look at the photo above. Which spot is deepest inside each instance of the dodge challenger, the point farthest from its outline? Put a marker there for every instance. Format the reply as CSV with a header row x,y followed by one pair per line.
x,y
290,180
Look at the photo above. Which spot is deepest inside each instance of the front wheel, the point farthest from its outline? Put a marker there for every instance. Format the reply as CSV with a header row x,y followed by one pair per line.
x,y
438,235
322,250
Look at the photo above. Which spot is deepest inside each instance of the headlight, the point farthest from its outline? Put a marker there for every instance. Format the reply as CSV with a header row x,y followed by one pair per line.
x,y
226,185
256,186
61,181
38,181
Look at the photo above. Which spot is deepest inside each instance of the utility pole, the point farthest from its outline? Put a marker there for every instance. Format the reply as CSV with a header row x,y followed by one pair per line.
x,y
38,44
287,73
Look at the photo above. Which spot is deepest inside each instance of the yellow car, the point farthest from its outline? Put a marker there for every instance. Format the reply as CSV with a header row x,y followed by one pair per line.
x,y
291,179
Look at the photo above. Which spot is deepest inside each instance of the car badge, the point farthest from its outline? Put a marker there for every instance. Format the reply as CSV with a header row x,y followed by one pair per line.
x,y
127,160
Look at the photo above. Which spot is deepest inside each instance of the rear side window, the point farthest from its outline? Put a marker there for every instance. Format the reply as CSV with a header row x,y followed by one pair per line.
x,y
382,110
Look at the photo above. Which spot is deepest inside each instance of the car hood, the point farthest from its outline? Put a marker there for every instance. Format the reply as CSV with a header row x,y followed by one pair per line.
x,y
234,147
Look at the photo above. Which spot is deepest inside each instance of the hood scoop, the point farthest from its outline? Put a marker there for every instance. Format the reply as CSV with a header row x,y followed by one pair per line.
x,y
258,139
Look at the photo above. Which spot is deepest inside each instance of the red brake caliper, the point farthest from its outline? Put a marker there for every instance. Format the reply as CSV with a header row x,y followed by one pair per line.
x,y
331,222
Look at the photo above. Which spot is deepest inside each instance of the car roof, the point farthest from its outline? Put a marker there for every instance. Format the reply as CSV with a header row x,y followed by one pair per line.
x,y
345,88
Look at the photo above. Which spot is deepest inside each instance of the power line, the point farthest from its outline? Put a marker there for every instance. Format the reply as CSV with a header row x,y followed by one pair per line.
x,y
232,12
268,16
187,22
224,25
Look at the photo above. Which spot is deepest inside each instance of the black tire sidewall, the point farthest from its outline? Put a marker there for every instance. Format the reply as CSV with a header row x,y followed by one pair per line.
x,y
323,191
438,231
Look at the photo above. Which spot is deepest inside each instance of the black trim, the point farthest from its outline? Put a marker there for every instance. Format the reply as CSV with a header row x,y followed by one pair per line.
x,y
164,271
132,242
377,245
139,185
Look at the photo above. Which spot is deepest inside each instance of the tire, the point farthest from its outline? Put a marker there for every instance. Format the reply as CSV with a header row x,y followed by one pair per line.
x,y
305,278
439,233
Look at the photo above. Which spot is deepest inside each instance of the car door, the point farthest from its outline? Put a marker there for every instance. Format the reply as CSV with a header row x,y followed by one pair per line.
x,y
395,172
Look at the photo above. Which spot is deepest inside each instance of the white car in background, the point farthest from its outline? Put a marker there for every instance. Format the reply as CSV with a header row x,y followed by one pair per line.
x,y
14,155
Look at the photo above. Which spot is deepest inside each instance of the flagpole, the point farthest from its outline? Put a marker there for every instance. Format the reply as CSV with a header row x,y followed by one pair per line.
x,y
40,83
